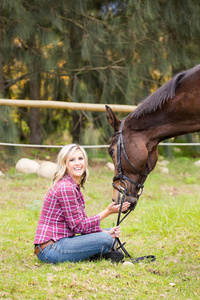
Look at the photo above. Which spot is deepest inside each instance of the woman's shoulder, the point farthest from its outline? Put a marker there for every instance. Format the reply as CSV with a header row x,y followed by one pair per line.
x,y
65,182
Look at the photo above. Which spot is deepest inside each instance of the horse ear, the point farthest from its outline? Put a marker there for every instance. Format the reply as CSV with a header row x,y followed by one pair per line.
x,y
112,119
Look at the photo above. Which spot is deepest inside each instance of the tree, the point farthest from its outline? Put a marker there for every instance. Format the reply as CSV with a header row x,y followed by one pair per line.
x,y
121,51
99,52
27,31
8,132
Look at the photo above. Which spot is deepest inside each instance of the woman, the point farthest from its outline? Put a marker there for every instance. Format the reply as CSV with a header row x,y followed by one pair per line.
x,y
64,232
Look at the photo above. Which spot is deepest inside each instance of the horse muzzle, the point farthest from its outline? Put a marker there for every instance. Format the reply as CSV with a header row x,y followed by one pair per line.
x,y
132,200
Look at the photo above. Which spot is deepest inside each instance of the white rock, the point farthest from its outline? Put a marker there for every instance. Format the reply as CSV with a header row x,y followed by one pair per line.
x,y
197,163
1,173
128,263
47,170
163,163
26,165
172,284
164,170
177,150
110,166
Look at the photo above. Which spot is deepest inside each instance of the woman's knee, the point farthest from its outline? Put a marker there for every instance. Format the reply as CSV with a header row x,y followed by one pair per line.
x,y
107,240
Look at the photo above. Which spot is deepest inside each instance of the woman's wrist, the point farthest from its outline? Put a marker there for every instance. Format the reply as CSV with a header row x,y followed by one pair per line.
x,y
104,214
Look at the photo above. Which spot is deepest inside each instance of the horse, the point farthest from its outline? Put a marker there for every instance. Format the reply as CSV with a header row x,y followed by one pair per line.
x,y
172,110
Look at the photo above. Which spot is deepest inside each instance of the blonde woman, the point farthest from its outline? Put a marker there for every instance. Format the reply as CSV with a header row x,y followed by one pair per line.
x,y
64,232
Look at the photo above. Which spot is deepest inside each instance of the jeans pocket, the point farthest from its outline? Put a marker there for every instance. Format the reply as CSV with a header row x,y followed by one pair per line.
x,y
48,261
43,255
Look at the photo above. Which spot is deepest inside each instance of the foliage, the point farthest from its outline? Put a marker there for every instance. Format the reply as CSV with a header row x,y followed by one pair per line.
x,y
8,132
165,223
92,51
179,151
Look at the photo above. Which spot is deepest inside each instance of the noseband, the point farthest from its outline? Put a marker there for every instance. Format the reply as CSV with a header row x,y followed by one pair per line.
x,y
120,176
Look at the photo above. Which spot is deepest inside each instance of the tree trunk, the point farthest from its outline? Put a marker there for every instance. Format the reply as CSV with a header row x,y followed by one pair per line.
x,y
75,131
35,127
2,91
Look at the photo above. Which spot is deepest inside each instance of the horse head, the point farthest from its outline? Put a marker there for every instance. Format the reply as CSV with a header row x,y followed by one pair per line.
x,y
172,110
133,159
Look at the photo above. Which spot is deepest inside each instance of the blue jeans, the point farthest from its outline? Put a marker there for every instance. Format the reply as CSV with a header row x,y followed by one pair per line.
x,y
77,248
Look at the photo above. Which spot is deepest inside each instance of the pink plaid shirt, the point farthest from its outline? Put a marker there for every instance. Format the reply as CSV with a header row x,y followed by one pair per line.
x,y
63,213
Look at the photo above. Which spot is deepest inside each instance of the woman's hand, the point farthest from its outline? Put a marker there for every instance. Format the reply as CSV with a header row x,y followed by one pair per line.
x,y
115,232
114,208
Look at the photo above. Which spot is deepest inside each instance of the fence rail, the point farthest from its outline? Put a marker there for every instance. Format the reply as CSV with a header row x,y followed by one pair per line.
x,y
90,146
73,106
67,105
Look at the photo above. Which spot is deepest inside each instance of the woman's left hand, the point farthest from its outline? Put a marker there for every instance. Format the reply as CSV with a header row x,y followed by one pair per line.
x,y
113,209
115,232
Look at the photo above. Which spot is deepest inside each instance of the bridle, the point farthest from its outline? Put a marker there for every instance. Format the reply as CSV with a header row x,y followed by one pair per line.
x,y
124,191
120,176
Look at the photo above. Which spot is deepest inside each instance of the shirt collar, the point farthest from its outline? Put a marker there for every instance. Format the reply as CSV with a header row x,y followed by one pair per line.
x,y
67,176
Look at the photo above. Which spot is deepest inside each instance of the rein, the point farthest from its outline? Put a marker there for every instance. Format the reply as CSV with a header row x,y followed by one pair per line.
x,y
146,258
124,192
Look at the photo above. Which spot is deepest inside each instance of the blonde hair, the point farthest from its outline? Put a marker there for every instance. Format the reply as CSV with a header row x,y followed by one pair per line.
x,y
63,159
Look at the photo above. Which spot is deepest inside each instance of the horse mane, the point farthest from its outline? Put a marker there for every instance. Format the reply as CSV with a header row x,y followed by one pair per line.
x,y
159,97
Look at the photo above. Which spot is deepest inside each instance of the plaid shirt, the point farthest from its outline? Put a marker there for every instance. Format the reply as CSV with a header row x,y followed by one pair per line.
x,y
63,213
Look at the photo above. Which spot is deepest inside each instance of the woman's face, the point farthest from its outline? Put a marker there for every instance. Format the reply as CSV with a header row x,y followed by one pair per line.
x,y
76,165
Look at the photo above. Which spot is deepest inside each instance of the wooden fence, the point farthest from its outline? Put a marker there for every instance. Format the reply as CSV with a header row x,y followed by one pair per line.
x,y
67,105
75,106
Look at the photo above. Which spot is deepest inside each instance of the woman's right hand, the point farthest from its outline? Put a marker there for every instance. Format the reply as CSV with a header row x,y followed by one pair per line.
x,y
115,232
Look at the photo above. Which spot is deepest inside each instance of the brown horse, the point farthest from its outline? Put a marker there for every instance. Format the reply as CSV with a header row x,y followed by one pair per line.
x,y
174,109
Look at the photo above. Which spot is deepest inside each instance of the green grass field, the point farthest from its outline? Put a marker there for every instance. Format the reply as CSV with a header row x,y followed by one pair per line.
x,y
165,223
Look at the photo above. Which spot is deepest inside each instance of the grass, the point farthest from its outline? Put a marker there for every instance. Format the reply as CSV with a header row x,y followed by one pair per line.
x,y
165,224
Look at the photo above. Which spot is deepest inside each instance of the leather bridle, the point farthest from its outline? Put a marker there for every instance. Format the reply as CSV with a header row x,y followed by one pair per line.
x,y
124,191
120,176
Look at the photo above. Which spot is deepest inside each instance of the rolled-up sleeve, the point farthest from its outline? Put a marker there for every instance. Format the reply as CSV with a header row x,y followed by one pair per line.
x,y
73,208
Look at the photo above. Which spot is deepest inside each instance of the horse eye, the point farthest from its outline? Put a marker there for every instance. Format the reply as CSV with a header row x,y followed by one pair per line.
x,y
111,152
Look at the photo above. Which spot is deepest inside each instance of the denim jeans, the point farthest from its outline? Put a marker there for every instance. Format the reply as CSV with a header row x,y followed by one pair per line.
x,y
77,248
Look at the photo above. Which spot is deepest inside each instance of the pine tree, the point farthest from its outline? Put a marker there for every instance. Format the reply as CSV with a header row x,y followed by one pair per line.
x,y
8,130
99,52
28,36
121,51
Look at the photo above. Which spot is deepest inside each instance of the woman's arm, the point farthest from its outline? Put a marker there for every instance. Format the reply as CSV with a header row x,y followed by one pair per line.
x,y
71,202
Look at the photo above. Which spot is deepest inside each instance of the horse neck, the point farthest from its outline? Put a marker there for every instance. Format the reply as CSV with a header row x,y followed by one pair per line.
x,y
169,121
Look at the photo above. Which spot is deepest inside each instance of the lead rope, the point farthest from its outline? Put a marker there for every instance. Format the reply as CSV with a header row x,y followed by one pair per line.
x,y
117,240
146,258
